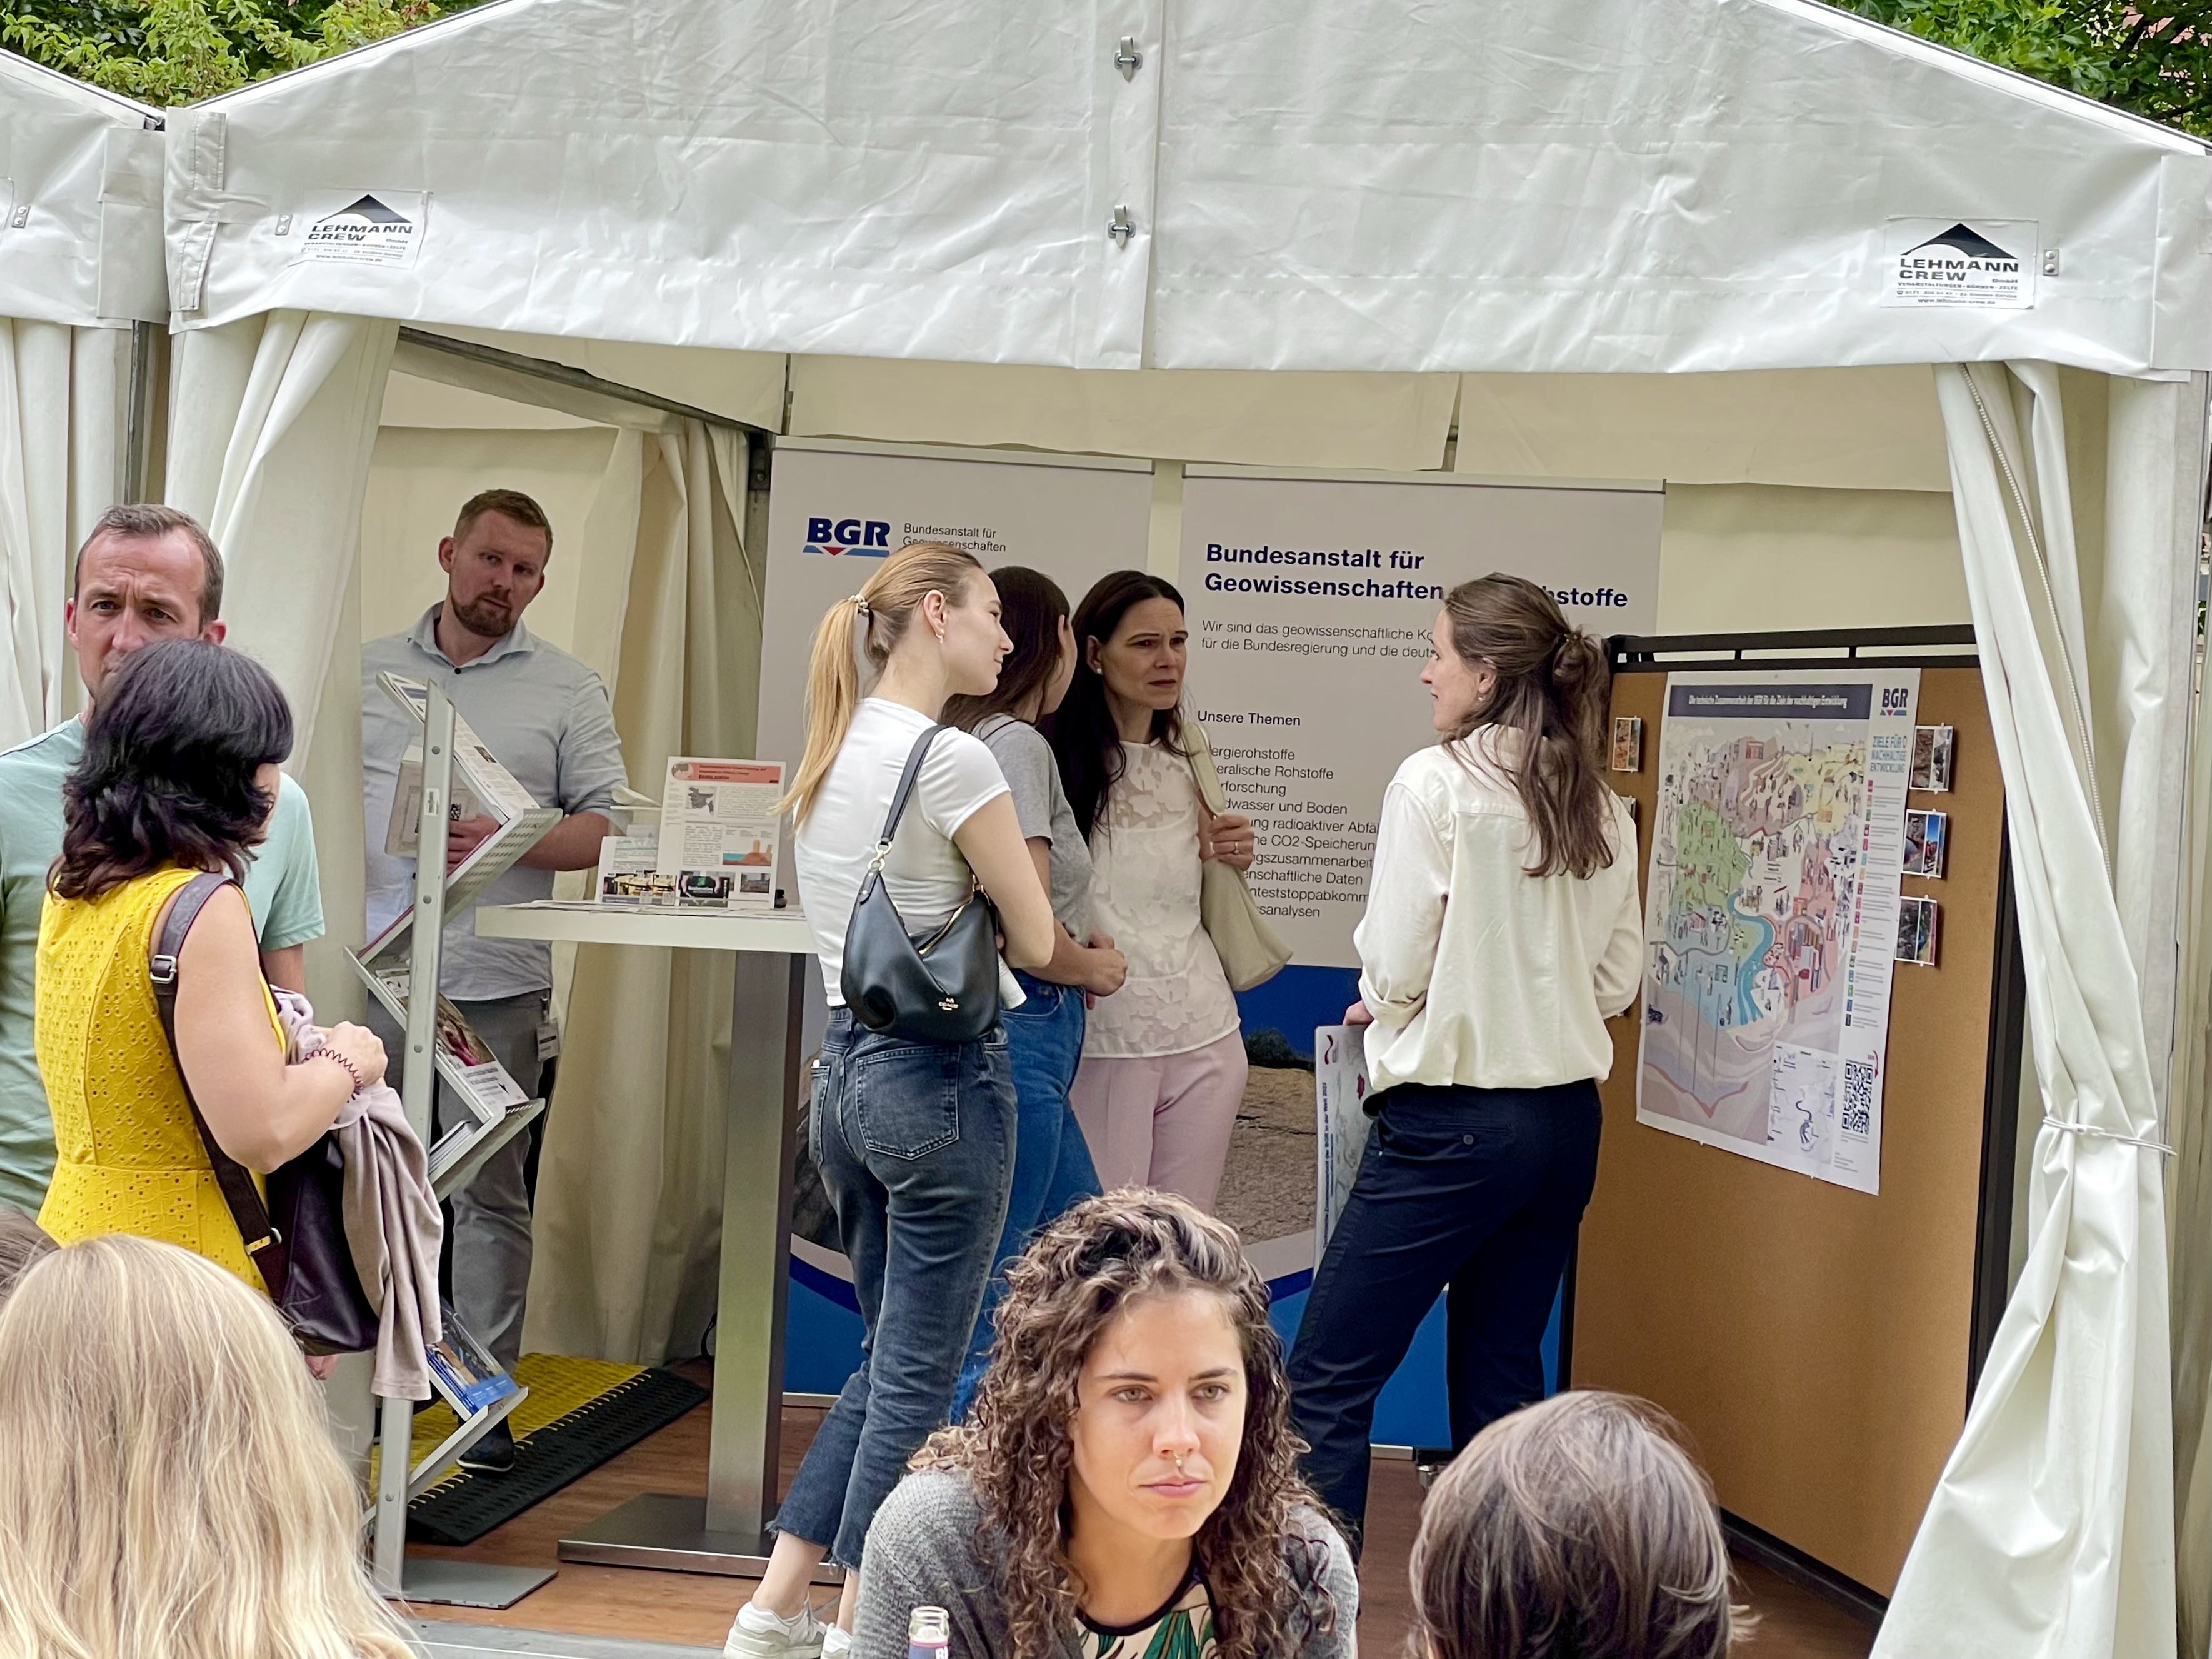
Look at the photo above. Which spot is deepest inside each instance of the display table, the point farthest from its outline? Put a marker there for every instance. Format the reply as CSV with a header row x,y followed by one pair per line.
x,y
723,1533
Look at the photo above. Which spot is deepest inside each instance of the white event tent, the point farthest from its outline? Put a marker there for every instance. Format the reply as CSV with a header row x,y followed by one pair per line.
x,y
1630,238
80,263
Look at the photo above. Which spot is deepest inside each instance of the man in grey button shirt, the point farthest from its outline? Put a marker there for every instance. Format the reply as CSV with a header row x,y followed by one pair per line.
x,y
547,718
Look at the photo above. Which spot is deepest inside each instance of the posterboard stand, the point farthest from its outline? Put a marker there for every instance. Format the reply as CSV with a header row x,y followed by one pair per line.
x,y
1820,1344
451,1583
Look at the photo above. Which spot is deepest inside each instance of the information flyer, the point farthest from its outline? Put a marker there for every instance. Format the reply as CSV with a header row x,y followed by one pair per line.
x,y
1770,914
718,832
1309,601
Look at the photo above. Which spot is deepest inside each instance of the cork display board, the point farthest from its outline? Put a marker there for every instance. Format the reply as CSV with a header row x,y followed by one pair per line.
x,y
1814,1341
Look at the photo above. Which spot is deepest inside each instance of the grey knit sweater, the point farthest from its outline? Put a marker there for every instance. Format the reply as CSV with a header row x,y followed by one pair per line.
x,y
928,1547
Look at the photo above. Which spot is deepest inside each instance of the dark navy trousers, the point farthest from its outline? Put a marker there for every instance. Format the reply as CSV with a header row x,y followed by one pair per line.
x,y
1478,1189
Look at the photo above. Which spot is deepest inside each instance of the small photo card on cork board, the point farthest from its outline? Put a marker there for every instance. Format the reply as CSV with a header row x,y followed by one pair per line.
x,y
1627,742
1916,931
1927,834
1931,759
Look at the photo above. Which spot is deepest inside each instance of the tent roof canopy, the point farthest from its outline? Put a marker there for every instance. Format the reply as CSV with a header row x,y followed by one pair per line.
x,y
79,200
1495,184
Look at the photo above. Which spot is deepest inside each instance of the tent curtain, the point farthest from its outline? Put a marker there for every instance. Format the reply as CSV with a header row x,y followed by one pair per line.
x,y
627,1225
628,1207
630,1181
2051,1530
2189,1230
63,393
273,421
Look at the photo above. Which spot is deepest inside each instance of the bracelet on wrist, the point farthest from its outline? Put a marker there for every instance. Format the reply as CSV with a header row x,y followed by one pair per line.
x,y
351,1070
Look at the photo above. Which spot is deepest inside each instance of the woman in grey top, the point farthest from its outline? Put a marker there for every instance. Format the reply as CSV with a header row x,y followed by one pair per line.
x,y
1126,1488
1044,1036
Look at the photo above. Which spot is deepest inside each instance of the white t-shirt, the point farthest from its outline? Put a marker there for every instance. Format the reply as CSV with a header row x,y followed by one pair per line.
x,y
924,875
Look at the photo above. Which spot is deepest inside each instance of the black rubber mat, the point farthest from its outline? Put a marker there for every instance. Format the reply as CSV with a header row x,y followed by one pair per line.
x,y
468,1503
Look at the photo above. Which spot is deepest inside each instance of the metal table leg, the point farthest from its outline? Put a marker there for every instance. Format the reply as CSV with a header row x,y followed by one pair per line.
x,y
725,1532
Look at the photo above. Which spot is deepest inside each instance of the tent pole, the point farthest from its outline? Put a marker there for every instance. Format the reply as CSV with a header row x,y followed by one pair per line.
x,y
134,481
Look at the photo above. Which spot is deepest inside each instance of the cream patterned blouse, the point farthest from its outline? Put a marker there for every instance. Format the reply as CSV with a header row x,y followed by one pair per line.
x,y
1144,891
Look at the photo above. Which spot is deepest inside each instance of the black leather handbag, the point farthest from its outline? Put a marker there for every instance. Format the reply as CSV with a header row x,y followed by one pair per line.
x,y
940,987
296,1240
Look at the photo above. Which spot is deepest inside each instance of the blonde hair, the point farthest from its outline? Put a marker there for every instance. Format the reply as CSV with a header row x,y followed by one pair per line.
x,y
169,1489
1578,1526
832,678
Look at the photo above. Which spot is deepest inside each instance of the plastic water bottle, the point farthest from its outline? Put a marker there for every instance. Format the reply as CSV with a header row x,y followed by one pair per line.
x,y
929,1634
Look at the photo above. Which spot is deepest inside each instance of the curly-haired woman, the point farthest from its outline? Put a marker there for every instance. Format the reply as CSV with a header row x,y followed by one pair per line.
x,y
1126,1484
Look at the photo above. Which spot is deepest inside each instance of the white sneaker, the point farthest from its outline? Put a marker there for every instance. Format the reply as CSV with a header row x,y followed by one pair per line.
x,y
836,1642
759,1634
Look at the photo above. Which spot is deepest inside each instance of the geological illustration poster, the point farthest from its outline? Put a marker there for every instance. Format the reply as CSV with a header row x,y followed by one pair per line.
x,y
1770,914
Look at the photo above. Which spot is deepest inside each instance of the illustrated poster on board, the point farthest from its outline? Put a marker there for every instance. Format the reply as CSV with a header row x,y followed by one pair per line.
x,y
1770,914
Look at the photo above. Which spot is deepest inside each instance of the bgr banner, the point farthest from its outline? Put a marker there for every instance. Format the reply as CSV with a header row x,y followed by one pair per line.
x,y
835,511
1310,601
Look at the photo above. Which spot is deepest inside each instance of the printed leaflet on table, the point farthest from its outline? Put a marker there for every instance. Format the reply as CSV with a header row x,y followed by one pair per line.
x,y
1772,911
629,873
718,832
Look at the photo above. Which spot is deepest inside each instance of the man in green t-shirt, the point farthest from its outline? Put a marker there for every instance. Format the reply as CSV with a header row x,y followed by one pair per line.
x,y
144,574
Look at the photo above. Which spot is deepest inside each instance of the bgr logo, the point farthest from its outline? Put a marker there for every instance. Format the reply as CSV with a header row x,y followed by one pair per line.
x,y
864,539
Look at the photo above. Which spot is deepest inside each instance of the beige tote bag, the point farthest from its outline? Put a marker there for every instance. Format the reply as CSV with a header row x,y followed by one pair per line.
x,y
1250,952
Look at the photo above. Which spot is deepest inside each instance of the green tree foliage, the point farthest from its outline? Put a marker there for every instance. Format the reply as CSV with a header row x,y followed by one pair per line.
x,y
175,51
2156,61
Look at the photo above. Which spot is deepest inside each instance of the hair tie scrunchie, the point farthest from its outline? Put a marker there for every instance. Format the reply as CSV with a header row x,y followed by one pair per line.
x,y
863,668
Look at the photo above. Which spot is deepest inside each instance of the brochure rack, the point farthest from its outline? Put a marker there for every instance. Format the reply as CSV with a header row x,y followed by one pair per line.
x,y
441,1045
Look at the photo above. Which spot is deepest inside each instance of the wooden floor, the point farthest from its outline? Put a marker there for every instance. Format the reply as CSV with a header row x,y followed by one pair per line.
x,y
694,1610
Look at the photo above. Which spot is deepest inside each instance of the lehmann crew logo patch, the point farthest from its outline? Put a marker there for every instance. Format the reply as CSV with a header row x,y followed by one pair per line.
x,y
1989,263
360,228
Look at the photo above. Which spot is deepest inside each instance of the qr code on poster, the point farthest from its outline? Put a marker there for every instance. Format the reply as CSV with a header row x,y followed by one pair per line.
x,y
1859,1095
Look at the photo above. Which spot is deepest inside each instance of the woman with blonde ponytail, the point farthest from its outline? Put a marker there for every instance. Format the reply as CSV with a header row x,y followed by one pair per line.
x,y
915,1140
1502,932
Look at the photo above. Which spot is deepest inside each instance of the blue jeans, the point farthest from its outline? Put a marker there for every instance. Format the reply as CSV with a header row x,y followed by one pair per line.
x,y
1052,1162
1480,1188
915,1144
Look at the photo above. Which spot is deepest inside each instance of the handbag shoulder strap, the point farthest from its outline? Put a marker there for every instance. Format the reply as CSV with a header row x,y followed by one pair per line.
x,y
264,1246
900,795
1202,774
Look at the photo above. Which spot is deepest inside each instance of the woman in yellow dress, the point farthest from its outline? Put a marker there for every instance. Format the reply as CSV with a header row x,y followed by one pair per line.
x,y
178,776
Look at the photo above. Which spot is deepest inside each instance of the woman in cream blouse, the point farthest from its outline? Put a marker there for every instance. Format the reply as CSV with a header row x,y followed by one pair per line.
x,y
1502,932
